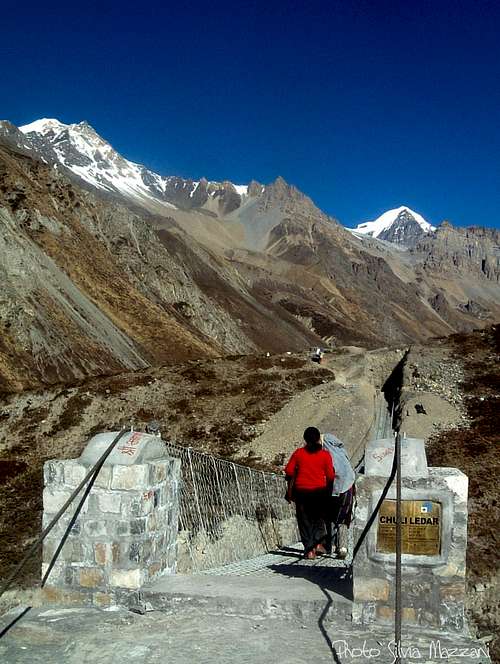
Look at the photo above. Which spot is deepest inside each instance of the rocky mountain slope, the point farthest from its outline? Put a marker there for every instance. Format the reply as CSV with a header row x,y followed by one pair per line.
x,y
107,266
451,398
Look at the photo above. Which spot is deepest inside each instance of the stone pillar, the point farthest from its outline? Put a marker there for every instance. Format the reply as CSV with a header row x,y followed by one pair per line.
x,y
126,533
434,516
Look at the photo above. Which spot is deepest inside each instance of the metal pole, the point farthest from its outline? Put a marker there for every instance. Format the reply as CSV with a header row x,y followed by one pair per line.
x,y
398,607
239,490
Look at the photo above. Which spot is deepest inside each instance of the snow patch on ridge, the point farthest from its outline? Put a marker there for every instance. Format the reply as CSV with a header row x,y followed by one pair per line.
x,y
242,189
80,149
42,126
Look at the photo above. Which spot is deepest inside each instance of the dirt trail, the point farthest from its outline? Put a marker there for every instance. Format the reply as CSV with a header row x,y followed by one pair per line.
x,y
344,406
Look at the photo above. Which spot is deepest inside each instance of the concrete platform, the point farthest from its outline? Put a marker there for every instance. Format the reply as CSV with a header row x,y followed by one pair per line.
x,y
273,608
93,636
280,585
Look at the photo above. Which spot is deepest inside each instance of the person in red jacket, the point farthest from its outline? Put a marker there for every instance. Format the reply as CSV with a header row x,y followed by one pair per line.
x,y
310,476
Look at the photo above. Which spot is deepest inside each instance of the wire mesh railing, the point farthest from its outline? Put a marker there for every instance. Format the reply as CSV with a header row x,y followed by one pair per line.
x,y
227,511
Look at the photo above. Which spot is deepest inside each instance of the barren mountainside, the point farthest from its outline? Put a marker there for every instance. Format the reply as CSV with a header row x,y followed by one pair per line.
x,y
107,266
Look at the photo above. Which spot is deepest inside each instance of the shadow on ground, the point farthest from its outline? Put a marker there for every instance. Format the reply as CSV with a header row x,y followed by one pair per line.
x,y
330,580
335,579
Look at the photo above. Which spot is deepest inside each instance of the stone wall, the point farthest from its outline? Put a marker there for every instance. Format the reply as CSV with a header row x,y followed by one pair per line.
x,y
125,535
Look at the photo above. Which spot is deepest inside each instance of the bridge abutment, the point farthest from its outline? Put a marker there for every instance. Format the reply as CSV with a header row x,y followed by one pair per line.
x,y
126,533
434,541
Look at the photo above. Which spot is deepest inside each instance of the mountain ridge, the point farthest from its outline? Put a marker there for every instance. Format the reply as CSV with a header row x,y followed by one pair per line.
x,y
134,282
91,158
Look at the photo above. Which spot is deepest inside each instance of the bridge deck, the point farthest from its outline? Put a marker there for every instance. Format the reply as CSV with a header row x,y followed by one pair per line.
x,y
280,583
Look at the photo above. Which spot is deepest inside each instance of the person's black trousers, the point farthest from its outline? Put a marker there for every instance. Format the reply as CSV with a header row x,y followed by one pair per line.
x,y
310,508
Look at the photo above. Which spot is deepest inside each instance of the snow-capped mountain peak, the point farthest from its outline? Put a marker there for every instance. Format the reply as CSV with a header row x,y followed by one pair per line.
x,y
401,225
80,149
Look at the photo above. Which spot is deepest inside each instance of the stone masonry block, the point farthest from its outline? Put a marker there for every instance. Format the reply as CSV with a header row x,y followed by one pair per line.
x,y
452,569
53,472
101,553
127,578
49,548
77,529
53,500
409,614
138,526
137,553
121,554
368,612
95,528
115,552
130,478
109,502
72,552
453,591
143,504
370,589
54,595
103,480
74,473
158,472
91,577
385,613
123,528
154,569
153,522
102,599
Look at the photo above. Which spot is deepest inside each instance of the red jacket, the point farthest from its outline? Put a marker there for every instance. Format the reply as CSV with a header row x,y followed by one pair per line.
x,y
312,470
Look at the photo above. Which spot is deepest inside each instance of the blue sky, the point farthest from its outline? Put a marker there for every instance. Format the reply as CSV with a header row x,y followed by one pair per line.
x,y
362,105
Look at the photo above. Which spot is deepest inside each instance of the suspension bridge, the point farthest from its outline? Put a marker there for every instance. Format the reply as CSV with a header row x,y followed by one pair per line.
x,y
241,591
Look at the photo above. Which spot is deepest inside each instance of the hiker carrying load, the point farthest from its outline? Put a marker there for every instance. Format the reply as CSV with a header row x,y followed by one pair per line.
x,y
341,501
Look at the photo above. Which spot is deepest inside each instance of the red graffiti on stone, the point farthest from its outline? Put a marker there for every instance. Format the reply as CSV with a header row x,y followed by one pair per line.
x,y
127,450
379,456
130,447
148,495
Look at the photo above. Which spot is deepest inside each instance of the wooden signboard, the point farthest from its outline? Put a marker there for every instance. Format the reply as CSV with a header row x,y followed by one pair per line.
x,y
420,527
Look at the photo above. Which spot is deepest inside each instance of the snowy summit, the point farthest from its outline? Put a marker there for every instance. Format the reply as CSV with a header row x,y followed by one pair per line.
x,y
80,149
401,225
386,220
